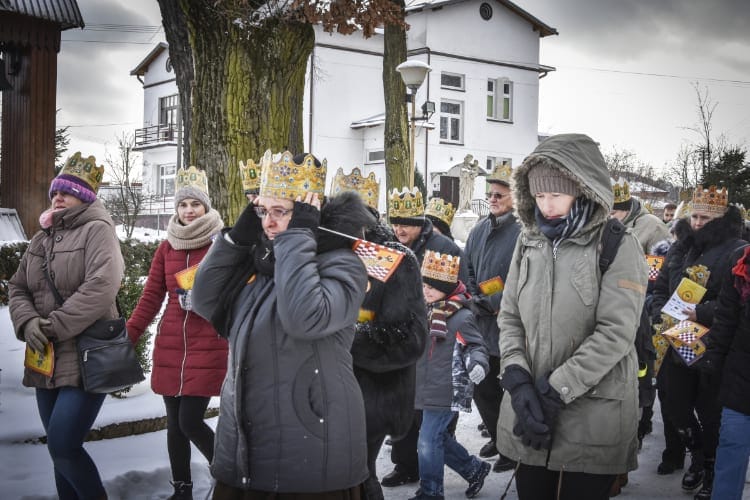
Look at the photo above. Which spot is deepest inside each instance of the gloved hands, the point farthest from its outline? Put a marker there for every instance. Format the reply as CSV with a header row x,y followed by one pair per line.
x,y
530,425
32,332
248,227
477,374
305,215
550,401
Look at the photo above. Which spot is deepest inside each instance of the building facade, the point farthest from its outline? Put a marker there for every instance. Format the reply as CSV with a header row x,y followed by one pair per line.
x,y
484,83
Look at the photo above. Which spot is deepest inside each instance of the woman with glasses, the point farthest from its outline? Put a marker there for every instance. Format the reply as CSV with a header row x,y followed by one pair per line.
x,y
287,294
189,359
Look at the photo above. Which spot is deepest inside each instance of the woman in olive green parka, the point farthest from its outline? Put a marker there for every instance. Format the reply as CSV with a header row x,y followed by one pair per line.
x,y
567,331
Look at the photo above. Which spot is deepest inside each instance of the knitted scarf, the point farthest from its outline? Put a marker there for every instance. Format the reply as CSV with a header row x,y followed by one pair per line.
x,y
439,312
197,234
741,273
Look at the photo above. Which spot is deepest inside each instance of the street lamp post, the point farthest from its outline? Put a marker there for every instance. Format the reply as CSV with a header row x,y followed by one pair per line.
x,y
413,74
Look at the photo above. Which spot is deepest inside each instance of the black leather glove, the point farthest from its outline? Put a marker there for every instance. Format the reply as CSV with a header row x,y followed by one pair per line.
x,y
32,332
304,216
550,401
525,402
248,227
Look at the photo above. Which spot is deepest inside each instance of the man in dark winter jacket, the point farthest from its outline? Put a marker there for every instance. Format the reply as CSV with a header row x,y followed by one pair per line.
x,y
406,214
487,255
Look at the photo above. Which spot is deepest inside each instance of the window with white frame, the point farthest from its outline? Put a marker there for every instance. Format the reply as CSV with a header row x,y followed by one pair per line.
x,y
492,161
452,81
451,121
375,156
500,99
166,179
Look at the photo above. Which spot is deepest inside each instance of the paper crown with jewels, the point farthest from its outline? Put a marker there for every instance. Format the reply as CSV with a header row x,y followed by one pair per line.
x,y
368,187
250,176
713,199
440,270
283,178
501,173
191,177
406,206
436,207
84,169
621,192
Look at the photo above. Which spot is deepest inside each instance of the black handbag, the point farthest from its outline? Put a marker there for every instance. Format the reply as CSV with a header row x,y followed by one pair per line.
x,y
106,356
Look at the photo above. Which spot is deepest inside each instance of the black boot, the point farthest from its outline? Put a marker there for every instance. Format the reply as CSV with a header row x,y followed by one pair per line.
x,y
693,478
372,488
670,462
708,482
182,491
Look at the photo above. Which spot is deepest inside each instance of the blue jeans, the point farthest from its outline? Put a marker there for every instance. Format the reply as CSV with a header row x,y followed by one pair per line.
x,y
67,415
437,448
731,455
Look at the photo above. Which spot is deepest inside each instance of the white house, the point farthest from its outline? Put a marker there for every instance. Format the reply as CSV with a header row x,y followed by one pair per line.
x,y
484,82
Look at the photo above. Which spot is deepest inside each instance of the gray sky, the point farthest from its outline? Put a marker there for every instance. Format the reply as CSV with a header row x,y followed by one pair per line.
x,y
625,71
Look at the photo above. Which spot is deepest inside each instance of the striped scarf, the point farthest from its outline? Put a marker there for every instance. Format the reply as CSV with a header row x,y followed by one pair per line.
x,y
440,311
577,218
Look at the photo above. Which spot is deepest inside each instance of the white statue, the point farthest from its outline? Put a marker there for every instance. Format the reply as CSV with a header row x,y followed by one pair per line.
x,y
469,172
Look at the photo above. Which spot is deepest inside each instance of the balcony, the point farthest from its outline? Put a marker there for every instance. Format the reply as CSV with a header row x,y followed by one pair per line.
x,y
155,135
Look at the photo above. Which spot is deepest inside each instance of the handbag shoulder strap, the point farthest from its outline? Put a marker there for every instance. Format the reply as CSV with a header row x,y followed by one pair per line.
x,y
56,292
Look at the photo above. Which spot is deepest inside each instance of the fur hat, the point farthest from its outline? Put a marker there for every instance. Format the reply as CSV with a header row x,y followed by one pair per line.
x,y
544,179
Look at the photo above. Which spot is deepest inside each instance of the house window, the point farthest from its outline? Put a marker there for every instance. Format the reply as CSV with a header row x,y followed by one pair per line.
x,y
168,107
497,160
500,99
452,81
451,121
375,156
166,179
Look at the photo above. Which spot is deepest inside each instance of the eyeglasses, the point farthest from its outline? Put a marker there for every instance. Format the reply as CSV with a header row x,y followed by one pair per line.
x,y
497,196
274,213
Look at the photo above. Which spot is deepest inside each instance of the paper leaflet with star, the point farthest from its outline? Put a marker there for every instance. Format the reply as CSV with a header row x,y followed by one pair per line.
x,y
686,296
379,260
685,338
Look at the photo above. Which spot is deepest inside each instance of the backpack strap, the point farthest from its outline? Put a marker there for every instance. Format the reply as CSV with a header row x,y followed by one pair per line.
x,y
612,235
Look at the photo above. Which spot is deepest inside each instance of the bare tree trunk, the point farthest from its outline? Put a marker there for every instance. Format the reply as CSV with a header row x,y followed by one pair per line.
x,y
246,94
181,57
396,137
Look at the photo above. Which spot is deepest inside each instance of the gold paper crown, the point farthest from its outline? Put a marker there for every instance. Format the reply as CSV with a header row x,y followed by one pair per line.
x,y
85,169
440,209
406,203
368,187
191,177
501,173
286,179
621,191
710,200
441,267
647,205
250,176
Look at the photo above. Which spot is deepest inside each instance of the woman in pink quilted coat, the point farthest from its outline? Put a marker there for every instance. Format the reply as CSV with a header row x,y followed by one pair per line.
x,y
190,358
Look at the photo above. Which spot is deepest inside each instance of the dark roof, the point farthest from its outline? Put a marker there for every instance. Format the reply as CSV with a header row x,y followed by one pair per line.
x,y
63,12
146,62
544,29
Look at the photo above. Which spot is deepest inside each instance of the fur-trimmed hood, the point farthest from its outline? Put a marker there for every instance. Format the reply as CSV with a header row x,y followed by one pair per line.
x,y
728,226
347,214
576,156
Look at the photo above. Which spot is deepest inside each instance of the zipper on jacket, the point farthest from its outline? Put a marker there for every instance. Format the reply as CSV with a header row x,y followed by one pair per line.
x,y
184,337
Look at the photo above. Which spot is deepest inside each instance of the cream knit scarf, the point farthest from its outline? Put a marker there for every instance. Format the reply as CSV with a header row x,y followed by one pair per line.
x,y
197,234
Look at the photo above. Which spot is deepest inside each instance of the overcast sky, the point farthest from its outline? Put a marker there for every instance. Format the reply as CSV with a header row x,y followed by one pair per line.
x,y
625,71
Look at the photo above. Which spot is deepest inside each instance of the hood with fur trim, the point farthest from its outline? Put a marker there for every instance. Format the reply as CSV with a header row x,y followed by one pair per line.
x,y
576,156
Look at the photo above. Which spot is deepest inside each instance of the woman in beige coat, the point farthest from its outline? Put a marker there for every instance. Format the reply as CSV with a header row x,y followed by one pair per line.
x,y
79,247
566,331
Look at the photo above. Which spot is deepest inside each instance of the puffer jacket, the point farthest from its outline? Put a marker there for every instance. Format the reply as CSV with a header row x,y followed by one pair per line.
x,y
190,358
560,317
648,228
87,267
291,417
439,386
487,255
